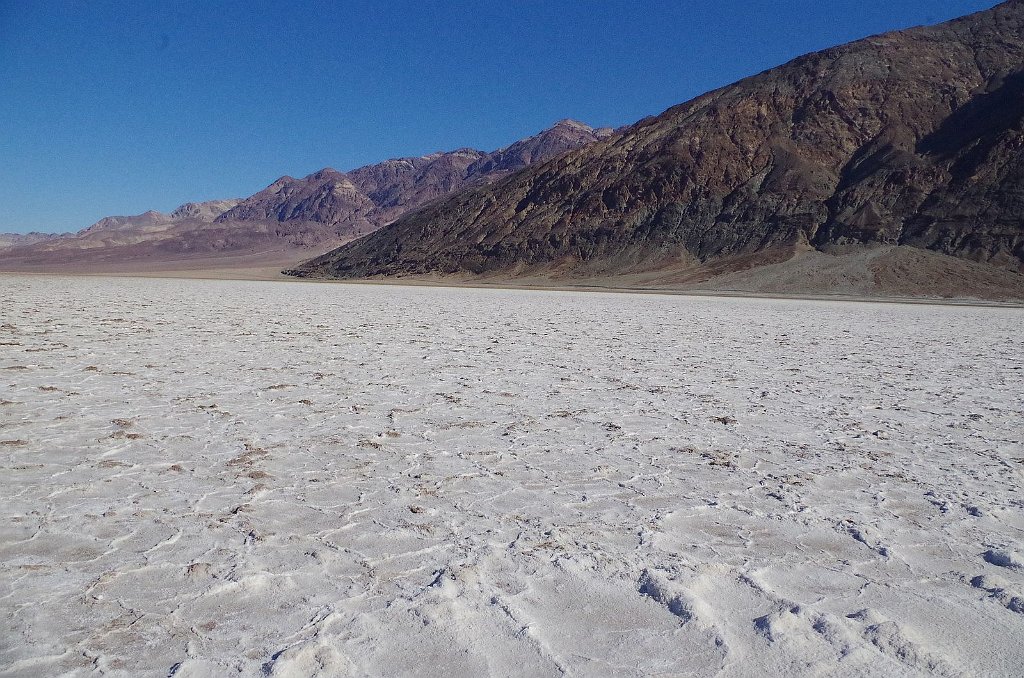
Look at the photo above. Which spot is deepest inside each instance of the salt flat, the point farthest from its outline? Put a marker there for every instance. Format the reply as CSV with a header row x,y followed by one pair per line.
x,y
204,478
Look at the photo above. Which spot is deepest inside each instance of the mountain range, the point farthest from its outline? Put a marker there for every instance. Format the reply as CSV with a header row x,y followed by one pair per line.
x,y
892,165
286,220
899,151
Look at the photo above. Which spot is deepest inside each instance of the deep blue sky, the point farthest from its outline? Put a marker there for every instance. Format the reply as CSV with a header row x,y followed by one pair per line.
x,y
119,107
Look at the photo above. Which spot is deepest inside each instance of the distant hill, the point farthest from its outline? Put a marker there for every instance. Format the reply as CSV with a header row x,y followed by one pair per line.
x,y
291,216
21,239
907,140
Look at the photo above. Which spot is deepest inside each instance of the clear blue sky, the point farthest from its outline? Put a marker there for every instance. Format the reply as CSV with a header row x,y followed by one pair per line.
x,y
119,107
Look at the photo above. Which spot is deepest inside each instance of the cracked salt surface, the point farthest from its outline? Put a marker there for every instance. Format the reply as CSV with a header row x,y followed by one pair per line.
x,y
207,478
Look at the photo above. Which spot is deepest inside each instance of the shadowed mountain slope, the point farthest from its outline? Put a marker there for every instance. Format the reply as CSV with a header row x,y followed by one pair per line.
x,y
911,139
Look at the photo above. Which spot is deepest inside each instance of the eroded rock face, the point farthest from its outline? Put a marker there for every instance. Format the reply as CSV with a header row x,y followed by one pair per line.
x,y
908,138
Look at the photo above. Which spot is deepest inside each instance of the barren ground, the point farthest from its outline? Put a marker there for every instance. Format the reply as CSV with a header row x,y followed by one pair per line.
x,y
208,478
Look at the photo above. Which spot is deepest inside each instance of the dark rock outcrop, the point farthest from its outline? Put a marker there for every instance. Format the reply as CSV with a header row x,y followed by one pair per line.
x,y
912,138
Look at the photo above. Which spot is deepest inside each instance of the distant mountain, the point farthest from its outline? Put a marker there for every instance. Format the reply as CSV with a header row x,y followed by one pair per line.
x,y
115,236
22,239
114,230
321,210
110,225
911,139
203,211
327,197
366,198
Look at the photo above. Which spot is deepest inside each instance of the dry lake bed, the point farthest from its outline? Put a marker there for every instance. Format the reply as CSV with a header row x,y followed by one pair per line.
x,y
210,478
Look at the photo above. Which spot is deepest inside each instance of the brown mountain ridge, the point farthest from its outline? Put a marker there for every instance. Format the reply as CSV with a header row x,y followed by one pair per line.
x,y
291,216
907,140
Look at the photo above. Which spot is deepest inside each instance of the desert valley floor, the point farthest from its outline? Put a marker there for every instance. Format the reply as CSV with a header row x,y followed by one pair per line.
x,y
209,478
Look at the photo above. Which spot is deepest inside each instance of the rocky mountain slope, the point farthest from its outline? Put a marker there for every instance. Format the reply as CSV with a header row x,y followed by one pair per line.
x,y
318,211
371,196
908,139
